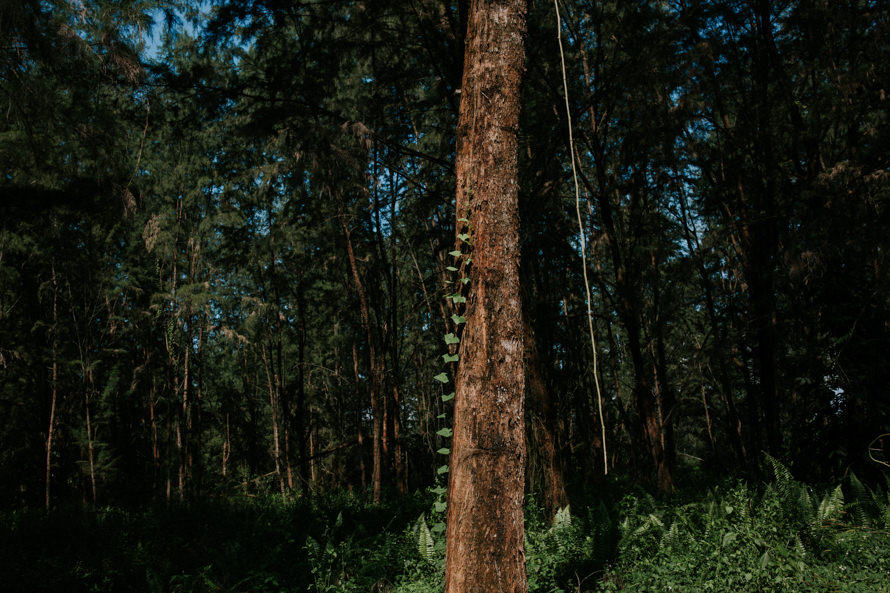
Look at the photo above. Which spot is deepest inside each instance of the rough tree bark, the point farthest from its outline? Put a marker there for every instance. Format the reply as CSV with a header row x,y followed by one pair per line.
x,y
485,523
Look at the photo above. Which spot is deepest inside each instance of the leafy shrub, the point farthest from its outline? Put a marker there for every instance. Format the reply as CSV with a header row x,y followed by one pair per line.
x,y
786,536
557,559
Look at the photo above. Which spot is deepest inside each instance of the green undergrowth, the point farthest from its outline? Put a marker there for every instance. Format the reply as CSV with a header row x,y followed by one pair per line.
x,y
784,536
335,542
736,537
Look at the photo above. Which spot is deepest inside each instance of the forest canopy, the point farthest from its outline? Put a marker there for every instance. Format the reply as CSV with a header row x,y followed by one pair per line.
x,y
227,236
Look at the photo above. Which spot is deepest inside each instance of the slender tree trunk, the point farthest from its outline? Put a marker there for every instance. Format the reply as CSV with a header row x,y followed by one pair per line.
x,y
388,341
485,521
185,420
398,453
730,168
174,276
755,437
763,241
226,449
629,305
300,414
377,395
88,388
667,397
179,464
398,449
49,433
168,480
312,464
195,466
288,467
733,423
630,312
282,394
645,402
155,444
631,428
276,439
358,421
55,390
706,404
249,391
541,421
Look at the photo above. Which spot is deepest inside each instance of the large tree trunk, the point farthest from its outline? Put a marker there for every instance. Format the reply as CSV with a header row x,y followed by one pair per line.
x,y
485,523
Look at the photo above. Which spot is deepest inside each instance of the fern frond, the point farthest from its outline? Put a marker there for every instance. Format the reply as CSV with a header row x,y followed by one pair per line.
x,y
650,500
860,504
712,515
807,507
425,543
562,519
670,539
743,507
338,523
882,503
312,546
784,480
831,507
650,522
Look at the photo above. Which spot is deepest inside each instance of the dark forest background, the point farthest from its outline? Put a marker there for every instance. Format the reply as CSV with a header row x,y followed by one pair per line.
x,y
225,236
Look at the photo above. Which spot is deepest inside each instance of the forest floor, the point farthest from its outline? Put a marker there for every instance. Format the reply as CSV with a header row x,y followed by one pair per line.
x,y
732,537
